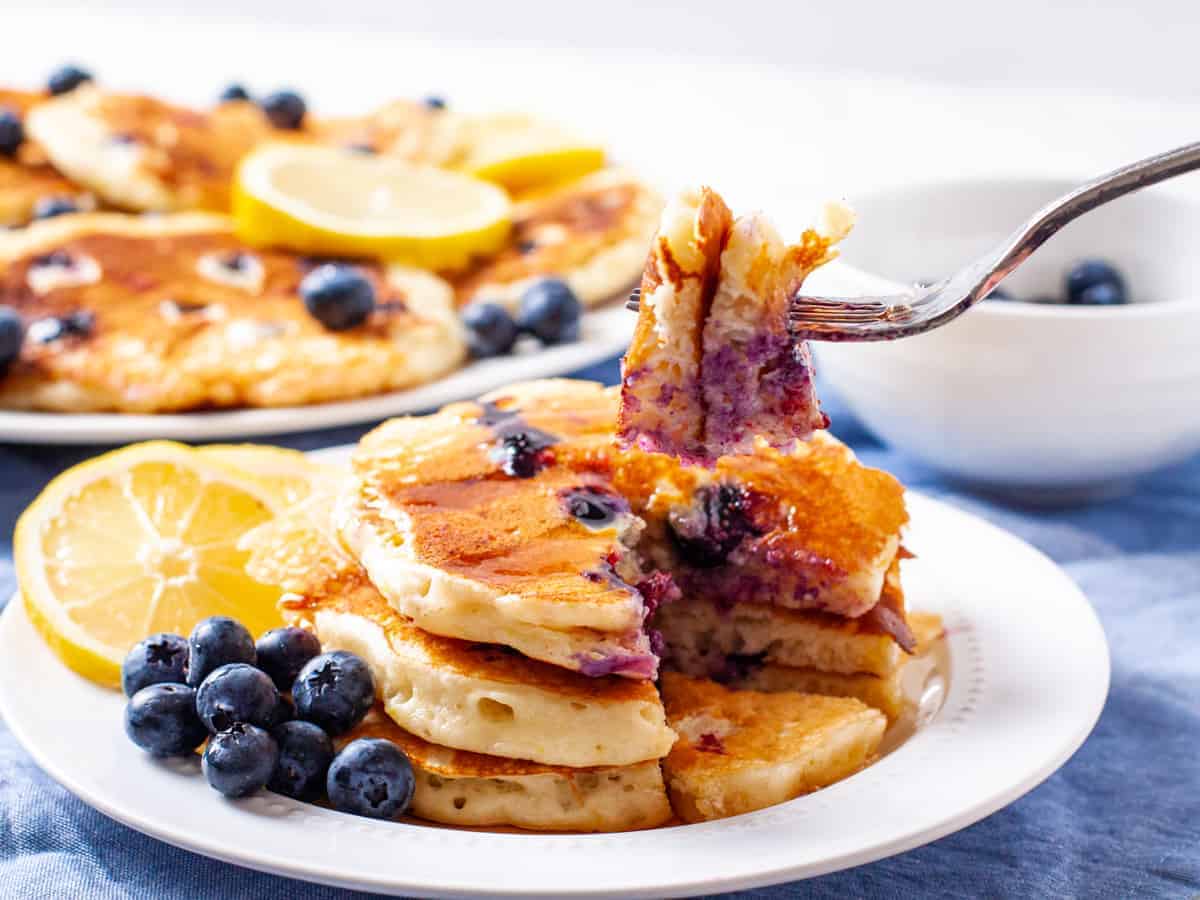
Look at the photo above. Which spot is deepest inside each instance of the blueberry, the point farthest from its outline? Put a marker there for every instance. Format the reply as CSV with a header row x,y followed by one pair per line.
x,y
522,454
282,653
435,102
285,109
1104,294
159,659
334,690
233,92
594,507
240,760
49,207
12,335
305,752
214,642
12,132
162,720
1091,272
371,777
550,311
491,331
285,711
237,692
338,296
66,78
718,519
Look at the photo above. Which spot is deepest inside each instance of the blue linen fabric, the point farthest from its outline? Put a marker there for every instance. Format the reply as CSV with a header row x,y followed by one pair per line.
x,y
1120,820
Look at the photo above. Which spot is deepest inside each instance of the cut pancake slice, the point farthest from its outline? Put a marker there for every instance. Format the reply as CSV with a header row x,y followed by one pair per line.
x,y
456,787
713,365
661,403
495,521
471,696
740,751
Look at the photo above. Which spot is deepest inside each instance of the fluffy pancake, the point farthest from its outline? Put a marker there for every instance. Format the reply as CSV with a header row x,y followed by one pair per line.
x,y
743,750
456,787
141,153
179,316
713,365
661,407
469,696
27,178
467,548
592,233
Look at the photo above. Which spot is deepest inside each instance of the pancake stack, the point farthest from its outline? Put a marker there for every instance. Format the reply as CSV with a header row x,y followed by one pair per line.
x,y
515,580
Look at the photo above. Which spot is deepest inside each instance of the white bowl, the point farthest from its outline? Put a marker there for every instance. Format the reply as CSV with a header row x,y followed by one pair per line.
x,y
1044,400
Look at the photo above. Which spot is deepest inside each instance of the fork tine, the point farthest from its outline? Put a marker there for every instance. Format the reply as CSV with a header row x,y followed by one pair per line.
x,y
634,302
831,311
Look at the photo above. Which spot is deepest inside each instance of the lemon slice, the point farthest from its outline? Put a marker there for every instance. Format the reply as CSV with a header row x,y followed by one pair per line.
x,y
333,202
288,474
136,541
520,153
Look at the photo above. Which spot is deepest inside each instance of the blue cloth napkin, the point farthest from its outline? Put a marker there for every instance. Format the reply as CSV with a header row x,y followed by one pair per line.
x,y
1120,820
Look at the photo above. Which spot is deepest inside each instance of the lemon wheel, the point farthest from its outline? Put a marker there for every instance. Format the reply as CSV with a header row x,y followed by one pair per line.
x,y
137,541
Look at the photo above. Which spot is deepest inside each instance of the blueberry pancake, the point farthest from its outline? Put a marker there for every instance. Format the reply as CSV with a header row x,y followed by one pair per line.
x,y
740,751
27,180
713,366
591,232
468,695
171,313
141,153
457,787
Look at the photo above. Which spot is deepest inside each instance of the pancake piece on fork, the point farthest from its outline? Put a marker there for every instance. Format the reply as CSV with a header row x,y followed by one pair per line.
x,y
173,313
713,365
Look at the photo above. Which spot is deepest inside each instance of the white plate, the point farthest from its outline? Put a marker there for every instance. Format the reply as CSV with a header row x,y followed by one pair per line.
x,y
605,334
1027,677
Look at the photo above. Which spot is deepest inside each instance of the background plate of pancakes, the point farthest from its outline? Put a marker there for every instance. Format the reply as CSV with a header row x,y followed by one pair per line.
x,y
1019,684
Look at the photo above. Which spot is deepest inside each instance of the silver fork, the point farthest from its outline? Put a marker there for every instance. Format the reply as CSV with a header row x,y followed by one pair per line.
x,y
928,306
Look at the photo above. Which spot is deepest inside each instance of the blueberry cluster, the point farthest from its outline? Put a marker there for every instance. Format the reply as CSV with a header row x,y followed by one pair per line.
x,y
266,713
549,311
285,109
1092,282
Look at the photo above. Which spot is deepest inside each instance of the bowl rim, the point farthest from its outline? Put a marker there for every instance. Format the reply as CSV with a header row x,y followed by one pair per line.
x,y
1016,307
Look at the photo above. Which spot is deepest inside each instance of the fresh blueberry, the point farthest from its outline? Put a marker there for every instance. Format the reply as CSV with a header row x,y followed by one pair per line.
x,y
285,711
550,311
435,102
718,519
162,720
12,335
285,109
159,659
233,92
65,79
371,777
491,331
1092,272
237,692
240,760
214,642
338,296
282,653
334,690
522,454
1103,294
49,207
305,752
12,132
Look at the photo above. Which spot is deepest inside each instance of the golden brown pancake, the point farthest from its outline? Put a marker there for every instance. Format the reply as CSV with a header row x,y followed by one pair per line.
x,y
592,233
173,313
743,750
28,177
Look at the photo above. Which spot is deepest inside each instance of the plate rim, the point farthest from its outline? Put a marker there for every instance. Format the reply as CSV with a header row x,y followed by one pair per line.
x,y
323,873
